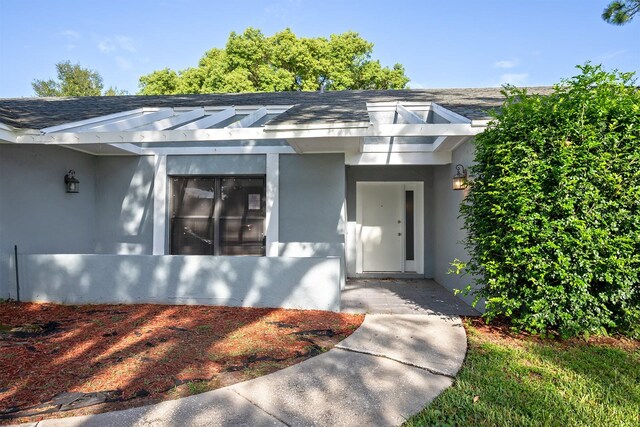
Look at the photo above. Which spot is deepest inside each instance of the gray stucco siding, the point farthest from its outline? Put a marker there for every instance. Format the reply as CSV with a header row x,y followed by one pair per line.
x,y
124,205
449,232
36,213
312,196
301,283
221,164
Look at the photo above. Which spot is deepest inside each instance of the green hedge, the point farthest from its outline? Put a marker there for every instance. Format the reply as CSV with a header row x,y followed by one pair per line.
x,y
553,210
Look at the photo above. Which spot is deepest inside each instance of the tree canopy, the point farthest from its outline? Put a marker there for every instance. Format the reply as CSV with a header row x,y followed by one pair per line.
x,y
619,12
253,62
553,209
73,80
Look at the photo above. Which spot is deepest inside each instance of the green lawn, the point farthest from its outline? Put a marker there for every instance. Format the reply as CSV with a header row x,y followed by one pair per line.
x,y
522,381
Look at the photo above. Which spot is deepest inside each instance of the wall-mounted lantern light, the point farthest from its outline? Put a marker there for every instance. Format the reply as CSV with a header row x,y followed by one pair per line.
x,y
460,178
71,182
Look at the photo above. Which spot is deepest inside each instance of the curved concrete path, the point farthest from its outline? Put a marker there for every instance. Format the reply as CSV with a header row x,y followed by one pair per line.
x,y
386,371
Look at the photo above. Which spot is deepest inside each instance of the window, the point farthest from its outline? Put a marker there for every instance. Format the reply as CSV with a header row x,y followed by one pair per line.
x,y
217,215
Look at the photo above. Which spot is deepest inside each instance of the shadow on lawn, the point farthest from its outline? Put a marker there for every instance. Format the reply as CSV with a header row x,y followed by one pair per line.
x,y
510,380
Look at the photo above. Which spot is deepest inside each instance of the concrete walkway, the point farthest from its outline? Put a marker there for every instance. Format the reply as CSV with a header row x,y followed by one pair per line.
x,y
386,371
402,296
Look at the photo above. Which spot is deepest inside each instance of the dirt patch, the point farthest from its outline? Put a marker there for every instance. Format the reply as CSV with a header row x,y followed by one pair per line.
x,y
500,331
71,360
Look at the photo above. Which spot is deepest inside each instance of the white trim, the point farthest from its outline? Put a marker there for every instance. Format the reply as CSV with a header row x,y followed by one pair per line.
x,y
247,121
208,121
417,264
425,158
126,150
93,120
133,149
191,151
271,221
160,205
428,129
398,148
235,134
175,120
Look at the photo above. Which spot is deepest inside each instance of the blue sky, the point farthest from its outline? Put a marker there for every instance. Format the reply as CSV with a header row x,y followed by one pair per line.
x,y
461,43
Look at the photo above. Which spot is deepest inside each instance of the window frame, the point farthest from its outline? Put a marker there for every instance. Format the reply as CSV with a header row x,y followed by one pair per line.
x,y
217,211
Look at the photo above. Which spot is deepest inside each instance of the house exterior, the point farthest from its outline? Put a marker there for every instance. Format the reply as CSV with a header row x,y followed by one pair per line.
x,y
269,199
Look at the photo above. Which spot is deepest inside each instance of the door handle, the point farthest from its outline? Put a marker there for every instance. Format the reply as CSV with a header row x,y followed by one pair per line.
x,y
399,234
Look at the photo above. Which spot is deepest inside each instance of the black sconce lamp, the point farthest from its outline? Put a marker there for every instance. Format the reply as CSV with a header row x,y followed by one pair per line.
x,y
460,178
71,182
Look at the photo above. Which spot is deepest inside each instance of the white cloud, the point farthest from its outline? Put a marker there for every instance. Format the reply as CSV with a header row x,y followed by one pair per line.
x,y
70,34
506,63
106,45
70,46
123,63
516,79
125,43
117,44
416,85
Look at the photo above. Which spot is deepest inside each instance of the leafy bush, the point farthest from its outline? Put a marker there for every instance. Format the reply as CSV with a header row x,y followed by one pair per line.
x,y
553,210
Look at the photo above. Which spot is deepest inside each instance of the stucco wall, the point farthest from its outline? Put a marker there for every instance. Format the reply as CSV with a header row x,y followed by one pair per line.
x,y
392,174
311,215
302,283
35,211
124,205
448,231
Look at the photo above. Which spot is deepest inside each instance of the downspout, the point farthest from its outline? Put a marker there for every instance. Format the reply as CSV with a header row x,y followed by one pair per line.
x,y
15,250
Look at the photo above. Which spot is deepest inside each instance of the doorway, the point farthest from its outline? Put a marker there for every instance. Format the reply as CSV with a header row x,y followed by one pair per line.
x,y
389,227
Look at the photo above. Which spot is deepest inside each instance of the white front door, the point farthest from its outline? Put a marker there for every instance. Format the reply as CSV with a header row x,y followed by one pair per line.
x,y
382,227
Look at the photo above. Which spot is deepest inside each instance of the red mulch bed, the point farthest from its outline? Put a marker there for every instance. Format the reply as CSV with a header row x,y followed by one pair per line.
x,y
142,354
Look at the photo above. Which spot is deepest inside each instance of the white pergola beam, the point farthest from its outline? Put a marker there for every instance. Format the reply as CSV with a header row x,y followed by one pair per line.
x,y
75,126
202,151
449,143
409,116
174,121
448,114
132,122
438,143
254,133
208,121
7,135
249,119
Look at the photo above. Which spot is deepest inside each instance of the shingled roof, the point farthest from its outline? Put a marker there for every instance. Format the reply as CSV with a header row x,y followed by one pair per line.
x,y
308,107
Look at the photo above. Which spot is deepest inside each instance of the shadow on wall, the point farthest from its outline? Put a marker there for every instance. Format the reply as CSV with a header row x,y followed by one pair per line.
x,y
124,205
303,283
